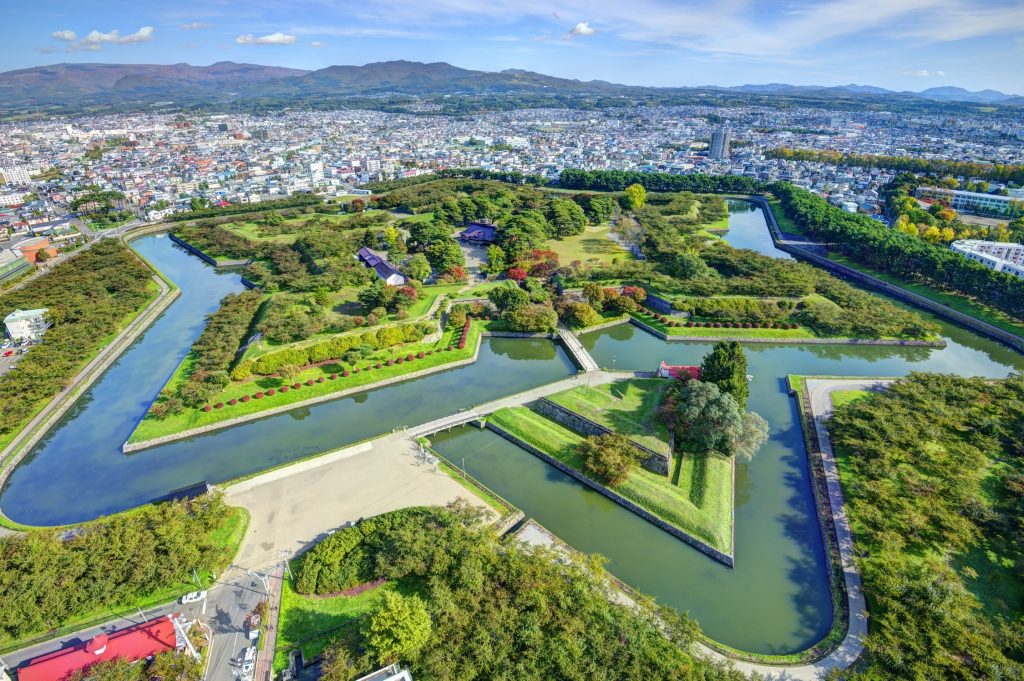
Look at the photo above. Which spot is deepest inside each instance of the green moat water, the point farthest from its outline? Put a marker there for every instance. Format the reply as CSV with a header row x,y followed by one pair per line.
x,y
774,601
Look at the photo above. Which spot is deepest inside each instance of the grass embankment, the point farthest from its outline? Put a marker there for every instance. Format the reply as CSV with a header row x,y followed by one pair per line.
x,y
627,407
228,538
841,397
959,303
785,224
312,622
593,243
699,503
152,427
705,332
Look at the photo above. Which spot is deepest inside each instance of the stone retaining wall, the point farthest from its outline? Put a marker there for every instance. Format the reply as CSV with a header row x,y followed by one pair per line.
x,y
789,341
656,462
698,544
207,258
227,423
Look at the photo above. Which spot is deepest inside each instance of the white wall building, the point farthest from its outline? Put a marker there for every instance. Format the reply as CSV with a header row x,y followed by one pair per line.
x,y
1000,256
16,174
26,324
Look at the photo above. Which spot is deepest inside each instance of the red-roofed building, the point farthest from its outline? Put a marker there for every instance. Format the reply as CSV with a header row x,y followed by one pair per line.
x,y
134,643
678,371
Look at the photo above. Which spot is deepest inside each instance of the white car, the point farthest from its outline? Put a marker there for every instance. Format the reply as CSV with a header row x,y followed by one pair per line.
x,y
193,597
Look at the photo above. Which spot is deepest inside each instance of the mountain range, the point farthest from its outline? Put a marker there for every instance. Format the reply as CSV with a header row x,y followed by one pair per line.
x,y
99,84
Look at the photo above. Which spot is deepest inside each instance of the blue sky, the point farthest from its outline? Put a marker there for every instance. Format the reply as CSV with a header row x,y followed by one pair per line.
x,y
899,44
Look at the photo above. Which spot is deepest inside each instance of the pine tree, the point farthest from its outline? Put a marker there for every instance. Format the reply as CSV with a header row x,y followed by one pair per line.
x,y
726,367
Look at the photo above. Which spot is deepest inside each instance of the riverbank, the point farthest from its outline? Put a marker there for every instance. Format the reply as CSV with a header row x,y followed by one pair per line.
x,y
152,432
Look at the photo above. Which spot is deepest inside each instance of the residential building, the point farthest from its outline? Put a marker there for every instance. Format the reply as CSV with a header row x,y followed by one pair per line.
x,y
972,202
16,174
26,324
385,270
134,643
720,144
479,232
995,255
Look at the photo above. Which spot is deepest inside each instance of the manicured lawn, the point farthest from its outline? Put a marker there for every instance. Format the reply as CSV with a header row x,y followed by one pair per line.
x,y
719,225
151,427
704,332
592,244
841,397
785,223
957,302
482,289
312,622
252,230
700,505
627,407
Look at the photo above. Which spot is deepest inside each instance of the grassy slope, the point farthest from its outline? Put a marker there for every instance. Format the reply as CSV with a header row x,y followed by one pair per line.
x,y
802,332
707,515
627,407
151,427
592,244
228,538
841,397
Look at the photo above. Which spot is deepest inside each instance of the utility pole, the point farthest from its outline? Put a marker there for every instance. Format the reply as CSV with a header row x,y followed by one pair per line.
x,y
195,576
264,580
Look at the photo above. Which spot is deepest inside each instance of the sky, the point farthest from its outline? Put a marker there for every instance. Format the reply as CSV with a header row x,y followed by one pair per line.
x,y
897,44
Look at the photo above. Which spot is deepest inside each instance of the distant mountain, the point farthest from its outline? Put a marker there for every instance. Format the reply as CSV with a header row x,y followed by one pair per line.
x,y
958,94
62,83
65,87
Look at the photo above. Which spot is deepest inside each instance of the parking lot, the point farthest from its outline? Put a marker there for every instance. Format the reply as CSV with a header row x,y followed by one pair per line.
x,y
8,361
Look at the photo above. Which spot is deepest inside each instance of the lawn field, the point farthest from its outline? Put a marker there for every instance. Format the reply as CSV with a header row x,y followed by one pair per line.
x,y
841,397
592,244
627,407
698,500
704,332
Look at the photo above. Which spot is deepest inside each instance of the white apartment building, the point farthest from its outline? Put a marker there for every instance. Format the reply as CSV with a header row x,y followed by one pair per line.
x,y
26,324
16,174
972,202
1000,256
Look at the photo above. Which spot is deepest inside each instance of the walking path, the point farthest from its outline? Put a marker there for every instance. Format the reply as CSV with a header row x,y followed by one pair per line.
x,y
852,646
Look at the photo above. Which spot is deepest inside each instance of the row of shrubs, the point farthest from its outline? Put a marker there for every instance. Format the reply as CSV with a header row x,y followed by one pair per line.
x,y
719,325
465,332
333,348
270,392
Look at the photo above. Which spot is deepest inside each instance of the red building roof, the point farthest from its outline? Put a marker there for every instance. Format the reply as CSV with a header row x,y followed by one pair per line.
x,y
678,371
134,643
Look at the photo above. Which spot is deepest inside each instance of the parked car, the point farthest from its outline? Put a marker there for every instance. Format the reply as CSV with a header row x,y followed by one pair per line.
x,y
193,597
8,353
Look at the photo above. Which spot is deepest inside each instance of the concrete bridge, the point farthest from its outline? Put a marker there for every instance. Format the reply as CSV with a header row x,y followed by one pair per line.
x,y
575,348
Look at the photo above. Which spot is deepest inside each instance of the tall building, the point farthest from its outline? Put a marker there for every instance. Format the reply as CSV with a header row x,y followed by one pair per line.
x,y
15,174
996,255
720,143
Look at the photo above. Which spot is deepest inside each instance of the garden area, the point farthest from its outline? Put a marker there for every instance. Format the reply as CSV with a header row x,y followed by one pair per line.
x,y
593,244
932,473
436,591
701,508
357,366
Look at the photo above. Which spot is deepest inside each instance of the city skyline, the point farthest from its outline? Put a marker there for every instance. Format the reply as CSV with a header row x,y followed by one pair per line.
x,y
903,45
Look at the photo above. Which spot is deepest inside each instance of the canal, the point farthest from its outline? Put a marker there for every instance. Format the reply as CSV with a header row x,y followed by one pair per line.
x,y
776,598
774,601
78,472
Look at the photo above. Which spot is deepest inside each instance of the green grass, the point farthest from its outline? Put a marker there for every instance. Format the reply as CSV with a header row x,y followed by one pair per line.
x,y
227,538
785,224
252,230
151,427
627,407
719,225
841,397
482,289
592,244
704,332
312,622
701,507
959,303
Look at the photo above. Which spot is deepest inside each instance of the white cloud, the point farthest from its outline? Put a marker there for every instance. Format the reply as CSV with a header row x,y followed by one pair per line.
x,y
93,42
276,38
317,44
582,28
924,73
194,25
